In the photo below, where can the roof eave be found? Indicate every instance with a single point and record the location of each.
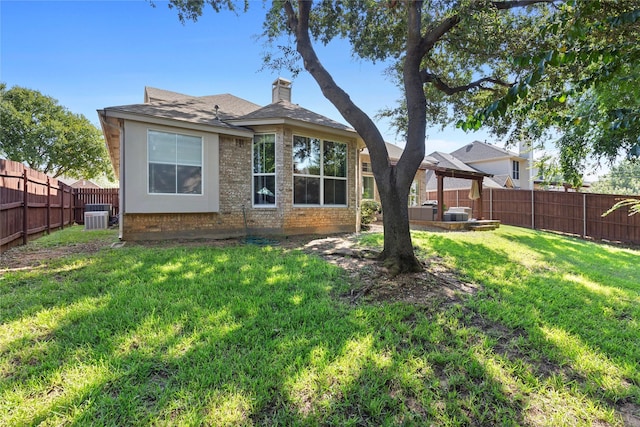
(111, 131)
(350, 133)
(184, 124)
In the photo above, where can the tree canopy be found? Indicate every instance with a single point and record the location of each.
(582, 93)
(623, 178)
(47, 137)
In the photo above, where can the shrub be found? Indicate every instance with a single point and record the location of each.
(368, 210)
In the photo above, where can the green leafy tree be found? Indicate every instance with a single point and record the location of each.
(623, 178)
(47, 137)
(447, 54)
(583, 90)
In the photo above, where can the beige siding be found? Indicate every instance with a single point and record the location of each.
(136, 195)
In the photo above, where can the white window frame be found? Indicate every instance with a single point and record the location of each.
(202, 183)
(322, 177)
(274, 174)
(373, 187)
(515, 169)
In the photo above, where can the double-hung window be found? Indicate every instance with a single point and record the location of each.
(264, 170)
(516, 169)
(319, 172)
(174, 163)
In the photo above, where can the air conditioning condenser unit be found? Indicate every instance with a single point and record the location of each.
(97, 220)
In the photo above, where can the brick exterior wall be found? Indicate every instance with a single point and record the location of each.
(236, 202)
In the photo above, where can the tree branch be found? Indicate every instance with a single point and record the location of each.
(449, 90)
(299, 26)
(502, 5)
(431, 38)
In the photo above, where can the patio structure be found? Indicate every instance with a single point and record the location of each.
(427, 216)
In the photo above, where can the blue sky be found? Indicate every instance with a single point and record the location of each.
(95, 54)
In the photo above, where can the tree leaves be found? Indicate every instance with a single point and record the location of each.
(39, 132)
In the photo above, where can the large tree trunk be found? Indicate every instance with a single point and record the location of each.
(393, 182)
(398, 256)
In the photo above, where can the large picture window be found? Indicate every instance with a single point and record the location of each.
(264, 170)
(175, 163)
(319, 172)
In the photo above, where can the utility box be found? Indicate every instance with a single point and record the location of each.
(97, 220)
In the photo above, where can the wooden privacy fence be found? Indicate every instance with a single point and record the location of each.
(573, 213)
(32, 203)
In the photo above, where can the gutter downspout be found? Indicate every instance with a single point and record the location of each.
(122, 181)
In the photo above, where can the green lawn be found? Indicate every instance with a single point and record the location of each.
(248, 335)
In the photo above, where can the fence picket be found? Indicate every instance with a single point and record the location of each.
(31, 203)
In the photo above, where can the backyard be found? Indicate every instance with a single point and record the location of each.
(510, 327)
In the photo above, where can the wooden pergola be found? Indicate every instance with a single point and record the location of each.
(443, 172)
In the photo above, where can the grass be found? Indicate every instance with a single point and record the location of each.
(248, 335)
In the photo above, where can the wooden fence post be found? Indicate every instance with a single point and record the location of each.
(584, 215)
(25, 208)
(491, 203)
(48, 205)
(533, 211)
(61, 187)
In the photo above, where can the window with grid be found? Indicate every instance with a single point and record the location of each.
(516, 169)
(319, 172)
(264, 170)
(174, 163)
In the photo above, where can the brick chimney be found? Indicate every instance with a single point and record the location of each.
(281, 90)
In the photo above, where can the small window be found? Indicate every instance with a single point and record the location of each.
(174, 163)
(264, 170)
(367, 187)
(516, 170)
(366, 167)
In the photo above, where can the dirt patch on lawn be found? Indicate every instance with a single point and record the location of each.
(30, 258)
(369, 278)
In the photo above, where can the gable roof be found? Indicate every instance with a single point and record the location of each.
(478, 151)
(504, 181)
(189, 111)
(229, 106)
(226, 112)
(286, 110)
(446, 160)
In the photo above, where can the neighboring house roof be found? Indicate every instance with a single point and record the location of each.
(84, 183)
(480, 151)
(449, 161)
(395, 152)
(458, 183)
(504, 181)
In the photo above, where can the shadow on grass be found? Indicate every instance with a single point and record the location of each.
(237, 336)
(570, 307)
